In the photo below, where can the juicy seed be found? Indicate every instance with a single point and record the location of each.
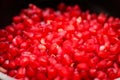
(63, 44)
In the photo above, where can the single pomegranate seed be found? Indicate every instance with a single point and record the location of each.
(43, 61)
(19, 26)
(93, 72)
(10, 29)
(3, 47)
(112, 73)
(3, 33)
(41, 76)
(76, 75)
(101, 75)
(6, 64)
(35, 17)
(12, 64)
(1, 60)
(12, 73)
(66, 60)
(83, 66)
(30, 72)
(51, 72)
(28, 22)
(16, 19)
(13, 51)
(24, 61)
(21, 72)
(101, 18)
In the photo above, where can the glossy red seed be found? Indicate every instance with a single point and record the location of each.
(13, 51)
(6, 64)
(67, 44)
(12, 73)
(3, 33)
(64, 72)
(101, 75)
(70, 28)
(101, 18)
(1, 60)
(24, 45)
(3, 47)
(51, 72)
(111, 73)
(41, 76)
(78, 56)
(82, 66)
(28, 22)
(10, 38)
(30, 72)
(35, 18)
(21, 73)
(76, 75)
(43, 61)
(10, 29)
(92, 72)
(19, 26)
(16, 19)
(66, 60)
(24, 61)
(12, 65)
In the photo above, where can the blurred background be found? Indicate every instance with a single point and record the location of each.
(9, 8)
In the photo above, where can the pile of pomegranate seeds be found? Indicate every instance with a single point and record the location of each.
(66, 44)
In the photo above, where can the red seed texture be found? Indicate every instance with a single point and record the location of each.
(66, 44)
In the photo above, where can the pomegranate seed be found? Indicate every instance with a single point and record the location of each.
(1, 60)
(24, 61)
(16, 19)
(3, 47)
(101, 75)
(30, 72)
(51, 72)
(28, 22)
(12, 64)
(83, 66)
(67, 44)
(12, 73)
(21, 72)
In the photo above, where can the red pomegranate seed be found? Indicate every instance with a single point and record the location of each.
(112, 73)
(66, 60)
(13, 51)
(83, 66)
(63, 44)
(28, 22)
(30, 72)
(51, 72)
(1, 60)
(41, 76)
(12, 73)
(12, 64)
(76, 75)
(101, 75)
(93, 72)
(21, 72)
(43, 61)
(19, 26)
(10, 29)
(4, 47)
(16, 19)
(24, 61)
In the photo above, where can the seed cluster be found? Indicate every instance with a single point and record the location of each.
(66, 44)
